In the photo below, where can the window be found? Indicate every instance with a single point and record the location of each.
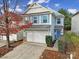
(35, 19)
(44, 18)
(58, 21)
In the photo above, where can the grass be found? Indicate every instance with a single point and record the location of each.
(72, 37)
(69, 42)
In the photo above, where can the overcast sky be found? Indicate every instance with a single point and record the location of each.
(70, 5)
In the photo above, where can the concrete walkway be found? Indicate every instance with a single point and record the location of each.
(55, 48)
(26, 51)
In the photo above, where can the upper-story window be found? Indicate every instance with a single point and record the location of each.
(58, 21)
(35, 19)
(44, 18)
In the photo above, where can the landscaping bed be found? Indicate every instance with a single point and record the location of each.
(4, 49)
(73, 46)
(49, 54)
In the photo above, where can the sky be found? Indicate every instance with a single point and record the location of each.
(71, 5)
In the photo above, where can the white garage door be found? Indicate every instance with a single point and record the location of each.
(36, 36)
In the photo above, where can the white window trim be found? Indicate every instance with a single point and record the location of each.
(40, 20)
(47, 19)
(57, 21)
(36, 19)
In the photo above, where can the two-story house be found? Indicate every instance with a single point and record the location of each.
(45, 22)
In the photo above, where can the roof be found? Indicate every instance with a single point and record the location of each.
(55, 12)
(76, 13)
(46, 9)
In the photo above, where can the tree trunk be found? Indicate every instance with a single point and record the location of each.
(7, 32)
(7, 22)
(8, 41)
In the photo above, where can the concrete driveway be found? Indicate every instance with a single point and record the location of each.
(26, 51)
(2, 43)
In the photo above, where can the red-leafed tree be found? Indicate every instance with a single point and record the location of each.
(11, 23)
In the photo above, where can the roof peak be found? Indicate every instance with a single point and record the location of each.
(47, 8)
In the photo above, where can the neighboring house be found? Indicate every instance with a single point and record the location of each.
(75, 23)
(13, 37)
(46, 21)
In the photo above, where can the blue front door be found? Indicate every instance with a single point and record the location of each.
(57, 33)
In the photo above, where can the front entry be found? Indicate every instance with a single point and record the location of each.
(57, 33)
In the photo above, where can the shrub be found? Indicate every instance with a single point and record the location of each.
(60, 46)
(72, 37)
(49, 40)
(69, 42)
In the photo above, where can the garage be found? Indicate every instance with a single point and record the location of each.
(37, 36)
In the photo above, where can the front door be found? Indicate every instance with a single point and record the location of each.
(57, 33)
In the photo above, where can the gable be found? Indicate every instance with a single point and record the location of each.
(36, 8)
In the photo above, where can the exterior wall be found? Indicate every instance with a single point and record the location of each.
(52, 26)
(62, 31)
(29, 18)
(62, 22)
(39, 27)
(61, 25)
(75, 24)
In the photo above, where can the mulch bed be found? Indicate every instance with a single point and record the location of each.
(4, 49)
(49, 54)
